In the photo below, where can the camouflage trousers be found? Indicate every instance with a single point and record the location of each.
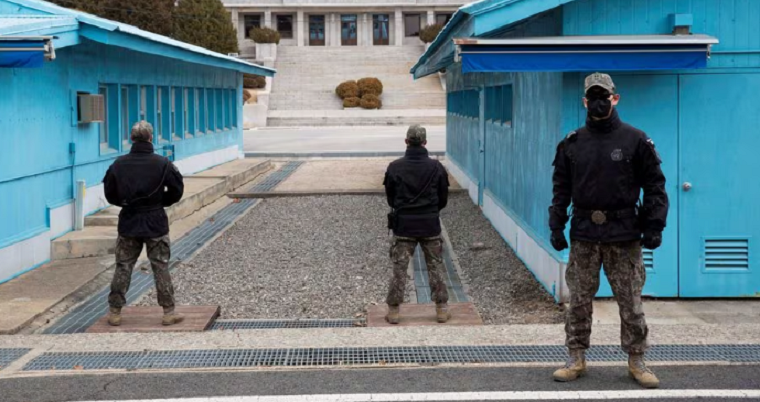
(128, 250)
(402, 250)
(624, 266)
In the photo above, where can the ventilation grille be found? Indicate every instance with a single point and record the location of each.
(648, 259)
(726, 254)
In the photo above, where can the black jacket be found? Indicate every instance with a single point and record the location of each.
(143, 183)
(603, 167)
(404, 180)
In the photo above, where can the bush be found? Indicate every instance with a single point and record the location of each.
(254, 81)
(348, 89)
(265, 35)
(246, 96)
(213, 31)
(429, 33)
(352, 102)
(370, 86)
(370, 102)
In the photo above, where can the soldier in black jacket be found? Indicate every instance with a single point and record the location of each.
(601, 168)
(142, 183)
(417, 188)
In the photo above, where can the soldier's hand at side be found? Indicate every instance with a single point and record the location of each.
(651, 240)
(558, 240)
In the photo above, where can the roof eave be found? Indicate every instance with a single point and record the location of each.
(115, 37)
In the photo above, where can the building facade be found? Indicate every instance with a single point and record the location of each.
(49, 58)
(339, 22)
(681, 68)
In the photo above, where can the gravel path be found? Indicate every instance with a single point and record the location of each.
(502, 288)
(316, 257)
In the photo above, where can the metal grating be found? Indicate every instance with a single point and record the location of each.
(424, 355)
(450, 277)
(722, 254)
(8, 356)
(83, 316)
(277, 324)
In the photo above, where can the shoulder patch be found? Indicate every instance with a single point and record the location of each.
(650, 142)
(571, 136)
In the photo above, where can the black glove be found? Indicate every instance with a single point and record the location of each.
(558, 240)
(652, 239)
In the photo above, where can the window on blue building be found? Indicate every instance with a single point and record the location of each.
(125, 129)
(163, 117)
(210, 100)
(506, 105)
(143, 103)
(196, 111)
(103, 91)
(234, 100)
(186, 112)
(219, 109)
(202, 108)
(227, 109)
(177, 113)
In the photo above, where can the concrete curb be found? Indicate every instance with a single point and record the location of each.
(336, 154)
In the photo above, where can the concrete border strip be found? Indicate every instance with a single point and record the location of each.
(486, 396)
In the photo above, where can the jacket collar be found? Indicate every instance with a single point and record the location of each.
(416, 152)
(142, 147)
(607, 125)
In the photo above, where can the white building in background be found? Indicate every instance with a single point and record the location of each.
(339, 22)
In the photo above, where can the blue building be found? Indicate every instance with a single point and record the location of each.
(686, 72)
(51, 58)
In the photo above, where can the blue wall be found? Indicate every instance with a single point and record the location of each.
(38, 116)
(734, 22)
(519, 153)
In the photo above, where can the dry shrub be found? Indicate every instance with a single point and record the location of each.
(348, 89)
(370, 86)
(371, 101)
(351, 102)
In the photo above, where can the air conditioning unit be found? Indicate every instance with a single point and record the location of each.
(92, 108)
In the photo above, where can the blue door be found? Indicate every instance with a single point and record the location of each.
(719, 188)
(648, 102)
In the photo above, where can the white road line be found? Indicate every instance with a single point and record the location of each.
(483, 396)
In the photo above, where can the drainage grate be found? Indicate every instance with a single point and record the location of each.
(276, 324)
(8, 356)
(82, 317)
(451, 278)
(377, 356)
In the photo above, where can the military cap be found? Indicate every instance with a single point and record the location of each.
(599, 80)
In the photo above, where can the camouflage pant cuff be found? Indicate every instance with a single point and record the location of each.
(169, 310)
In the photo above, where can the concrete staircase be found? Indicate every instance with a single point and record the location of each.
(98, 238)
(303, 93)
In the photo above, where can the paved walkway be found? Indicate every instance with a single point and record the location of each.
(337, 139)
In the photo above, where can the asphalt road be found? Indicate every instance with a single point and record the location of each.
(132, 386)
(337, 139)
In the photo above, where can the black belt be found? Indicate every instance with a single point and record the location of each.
(600, 217)
(142, 208)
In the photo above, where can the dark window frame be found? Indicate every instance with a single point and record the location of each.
(418, 25)
(285, 34)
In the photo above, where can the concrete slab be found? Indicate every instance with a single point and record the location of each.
(148, 319)
(415, 315)
(27, 297)
(355, 174)
(683, 312)
(337, 139)
(92, 241)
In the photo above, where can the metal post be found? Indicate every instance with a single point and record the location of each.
(79, 205)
